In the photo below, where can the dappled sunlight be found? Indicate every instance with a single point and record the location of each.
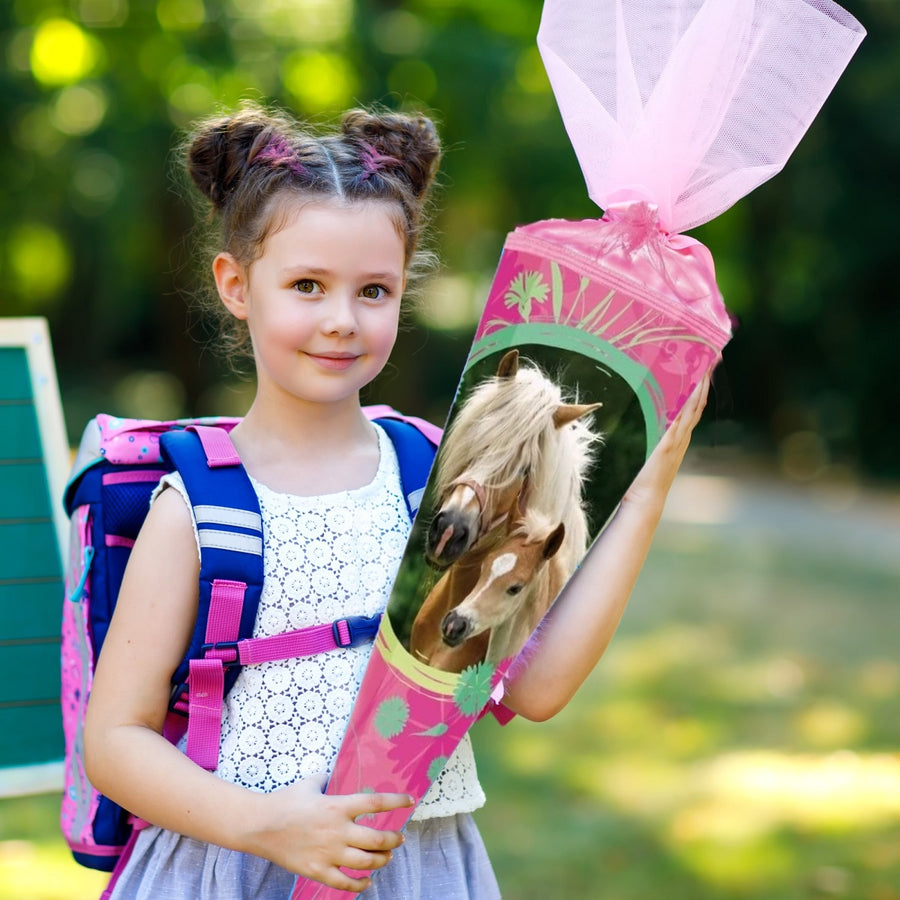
(837, 791)
(37, 871)
(879, 679)
(756, 791)
(747, 866)
(649, 657)
(643, 786)
(829, 724)
(730, 827)
(702, 499)
(759, 680)
(530, 752)
(727, 818)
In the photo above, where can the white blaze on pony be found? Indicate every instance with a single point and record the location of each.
(517, 582)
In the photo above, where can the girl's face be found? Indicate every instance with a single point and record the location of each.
(323, 301)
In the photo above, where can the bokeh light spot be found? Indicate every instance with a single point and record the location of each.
(319, 81)
(79, 109)
(150, 395)
(530, 73)
(62, 53)
(39, 262)
(180, 15)
(103, 13)
(399, 31)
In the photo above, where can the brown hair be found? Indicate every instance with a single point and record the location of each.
(248, 163)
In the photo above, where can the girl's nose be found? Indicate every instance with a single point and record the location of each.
(340, 316)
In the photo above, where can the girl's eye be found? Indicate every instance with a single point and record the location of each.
(374, 292)
(305, 286)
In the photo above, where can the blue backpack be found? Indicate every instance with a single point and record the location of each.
(118, 465)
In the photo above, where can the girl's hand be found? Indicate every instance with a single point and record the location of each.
(313, 834)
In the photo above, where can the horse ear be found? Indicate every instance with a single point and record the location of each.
(569, 412)
(509, 365)
(554, 540)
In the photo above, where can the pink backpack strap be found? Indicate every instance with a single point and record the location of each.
(383, 411)
(217, 446)
(206, 678)
(348, 632)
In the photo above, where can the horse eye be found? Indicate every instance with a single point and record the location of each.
(514, 589)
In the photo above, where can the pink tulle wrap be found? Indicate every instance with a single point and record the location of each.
(690, 104)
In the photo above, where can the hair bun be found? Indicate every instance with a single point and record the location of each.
(412, 140)
(221, 150)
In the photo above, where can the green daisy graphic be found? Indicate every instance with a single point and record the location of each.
(436, 766)
(391, 717)
(474, 689)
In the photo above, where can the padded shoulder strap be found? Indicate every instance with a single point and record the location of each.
(415, 453)
(229, 524)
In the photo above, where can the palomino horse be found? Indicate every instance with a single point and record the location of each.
(512, 425)
(517, 582)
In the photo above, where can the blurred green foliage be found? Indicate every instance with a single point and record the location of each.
(96, 232)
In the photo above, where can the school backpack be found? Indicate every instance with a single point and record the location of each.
(119, 463)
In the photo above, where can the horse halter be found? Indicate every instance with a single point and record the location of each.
(478, 490)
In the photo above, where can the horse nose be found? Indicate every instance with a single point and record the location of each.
(447, 538)
(454, 628)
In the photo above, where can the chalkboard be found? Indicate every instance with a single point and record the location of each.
(34, 461)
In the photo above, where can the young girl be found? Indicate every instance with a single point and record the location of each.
(319, 236)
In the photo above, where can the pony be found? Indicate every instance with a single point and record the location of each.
(517, 581)
(512, 425)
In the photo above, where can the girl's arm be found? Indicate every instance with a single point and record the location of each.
(128, 760)
(582, 621)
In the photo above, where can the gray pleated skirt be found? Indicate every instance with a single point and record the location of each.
(441, 859)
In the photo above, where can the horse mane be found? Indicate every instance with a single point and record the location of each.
(503, 414)
(532, 525)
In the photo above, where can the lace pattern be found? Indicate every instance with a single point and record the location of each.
(325, 557)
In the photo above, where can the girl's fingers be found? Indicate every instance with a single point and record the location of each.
(373, 840)
(364, 861)
(369, 804)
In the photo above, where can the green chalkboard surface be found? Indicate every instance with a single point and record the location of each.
(33, 464)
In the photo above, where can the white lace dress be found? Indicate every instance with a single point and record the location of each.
(325, 557)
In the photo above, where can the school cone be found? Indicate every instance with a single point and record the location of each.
(599, 327)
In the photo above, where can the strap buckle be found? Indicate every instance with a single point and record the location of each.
(354, 630)
(222, 647)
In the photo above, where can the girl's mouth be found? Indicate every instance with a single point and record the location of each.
(334, 362)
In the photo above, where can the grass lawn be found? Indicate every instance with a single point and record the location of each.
(739, 739)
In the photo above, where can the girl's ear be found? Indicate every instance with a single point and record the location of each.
(231, 283)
